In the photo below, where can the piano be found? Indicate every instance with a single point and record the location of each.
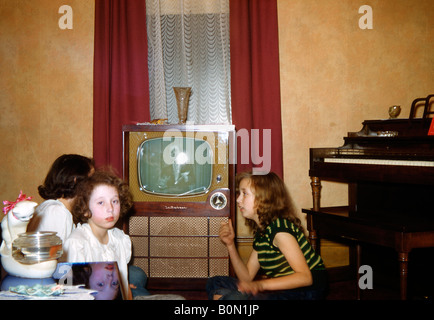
(389, 168)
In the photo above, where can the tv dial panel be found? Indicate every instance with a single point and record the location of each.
(218, 201)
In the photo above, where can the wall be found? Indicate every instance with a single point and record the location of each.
(46, 90)
(334, 75)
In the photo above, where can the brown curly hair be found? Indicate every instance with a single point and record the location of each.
(80, 209)
(272, 200)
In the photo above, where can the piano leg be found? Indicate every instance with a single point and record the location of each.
(358, 263)
(403, 265)
(316, 192)
(312, 237)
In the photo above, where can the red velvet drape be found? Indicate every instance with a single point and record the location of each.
(121, 85)
(255, 76)
(121, 88)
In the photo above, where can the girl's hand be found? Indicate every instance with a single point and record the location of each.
(250, 287)
(226, 233)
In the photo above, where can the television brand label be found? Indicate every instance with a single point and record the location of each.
(175, 208)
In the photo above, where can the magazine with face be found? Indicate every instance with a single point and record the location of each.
(103, 277)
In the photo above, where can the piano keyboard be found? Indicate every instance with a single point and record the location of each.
(387, 162)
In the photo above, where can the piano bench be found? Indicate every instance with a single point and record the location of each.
(340, 222)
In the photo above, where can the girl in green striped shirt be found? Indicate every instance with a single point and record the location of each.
(290, 268)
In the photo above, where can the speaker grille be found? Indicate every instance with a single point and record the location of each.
(178, 247)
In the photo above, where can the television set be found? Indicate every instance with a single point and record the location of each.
(180, 169)
(182, 178)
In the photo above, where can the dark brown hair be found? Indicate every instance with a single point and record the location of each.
(80, 209)
(65, 173)
(272, 200)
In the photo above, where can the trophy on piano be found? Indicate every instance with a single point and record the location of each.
(394, 111)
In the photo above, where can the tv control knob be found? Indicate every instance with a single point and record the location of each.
(218, 201)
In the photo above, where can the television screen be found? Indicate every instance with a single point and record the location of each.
(174, 166)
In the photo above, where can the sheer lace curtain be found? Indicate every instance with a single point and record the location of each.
(189, 46)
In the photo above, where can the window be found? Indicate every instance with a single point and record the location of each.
(188, 46)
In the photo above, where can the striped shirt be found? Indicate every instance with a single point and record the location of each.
(272, 260)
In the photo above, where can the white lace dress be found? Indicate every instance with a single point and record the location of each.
(83, 246)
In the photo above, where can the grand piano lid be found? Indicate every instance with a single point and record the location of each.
(393, 128)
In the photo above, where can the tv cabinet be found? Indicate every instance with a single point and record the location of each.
(176, 242)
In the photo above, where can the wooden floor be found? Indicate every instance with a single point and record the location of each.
(342, 281)
(338, 291)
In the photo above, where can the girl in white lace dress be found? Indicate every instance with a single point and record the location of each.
(101, 200)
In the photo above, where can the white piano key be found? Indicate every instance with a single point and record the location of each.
(386, 162)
